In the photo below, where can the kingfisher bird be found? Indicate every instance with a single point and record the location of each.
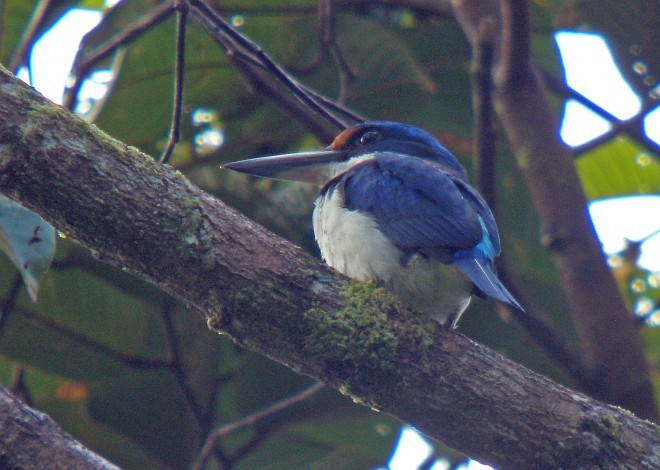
(395, 207)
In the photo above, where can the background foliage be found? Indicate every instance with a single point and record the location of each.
(138, 377)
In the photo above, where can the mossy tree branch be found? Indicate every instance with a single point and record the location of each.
(272, 298)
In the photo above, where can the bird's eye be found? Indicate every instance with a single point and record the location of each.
(370, 137)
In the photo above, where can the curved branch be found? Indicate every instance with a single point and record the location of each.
(241, 48)
(274, 299)
(215, 437)
(86, 60)
(23, 50)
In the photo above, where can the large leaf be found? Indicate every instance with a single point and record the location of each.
(28, 240)
(328, 443)
(620, 167)
(14, 15)
(114, 22)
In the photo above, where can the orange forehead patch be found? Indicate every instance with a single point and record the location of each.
(342, 139)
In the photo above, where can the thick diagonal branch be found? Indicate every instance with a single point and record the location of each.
(271, 297)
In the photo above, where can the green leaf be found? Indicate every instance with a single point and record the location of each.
(328, 442)
(620, 167)
(14, 15)
(114, 22)
(370, 437)
(651, 338)
(145, 405)
(66, 401)
(28, 240)
(378, 55)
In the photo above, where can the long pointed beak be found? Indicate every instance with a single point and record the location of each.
(309, 167)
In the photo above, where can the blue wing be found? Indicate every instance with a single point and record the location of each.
(419, 206)
(424, 209)
(481, 272)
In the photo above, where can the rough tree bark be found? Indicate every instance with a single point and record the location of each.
(271, 297)
(30, 439)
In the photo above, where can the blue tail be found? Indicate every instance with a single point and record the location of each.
(481, 274)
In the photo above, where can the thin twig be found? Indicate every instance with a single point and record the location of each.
(24, 48)
(429, 462)
(259, 80)
(213, 439)
(78, 258)
(258, 436)
(203, 420)
(328, 42)
(85, 61)
(482, 95)
(18, 386)
(10, 299)
(181, 7)
(243, 49)
(119, 356)
(634, 127)
(322, 15)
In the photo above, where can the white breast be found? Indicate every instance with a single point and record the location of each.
(351, 242)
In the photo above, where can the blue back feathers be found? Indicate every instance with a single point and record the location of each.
(421, 208)
(417, 193)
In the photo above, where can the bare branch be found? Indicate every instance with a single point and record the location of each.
(328, 42)
(127, 359)
(9, 301)
(203, 419)
(240, 48)
(216, 436)
(179, 62)
(538, 329)
(19, 387)
(634, 127)
(22, 55)
(483, 139)
(86, 60)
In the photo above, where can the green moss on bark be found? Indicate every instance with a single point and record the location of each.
(361, 344)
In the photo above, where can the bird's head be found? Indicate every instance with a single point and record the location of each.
(350, 147)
